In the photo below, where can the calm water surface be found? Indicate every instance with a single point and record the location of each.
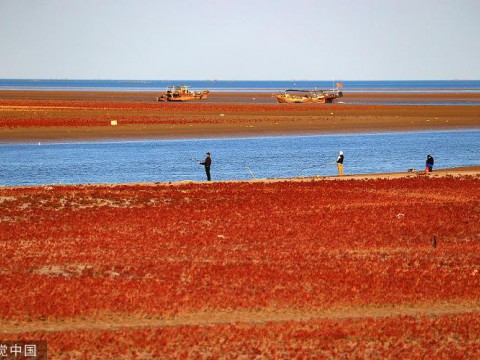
(244, 85)
(262, 157)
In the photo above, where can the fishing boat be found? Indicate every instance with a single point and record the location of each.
(182, 93)
(308, 96)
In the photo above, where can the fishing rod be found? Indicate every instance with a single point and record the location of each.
(320, 166)
(196, 160)
(313, 167)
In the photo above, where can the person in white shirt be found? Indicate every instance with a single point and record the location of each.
(340, 163)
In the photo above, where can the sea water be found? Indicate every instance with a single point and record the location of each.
(233, 158)
(244, 85)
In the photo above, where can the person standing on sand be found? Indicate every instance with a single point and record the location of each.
(429, 164)
(340, 163)
(207, 163)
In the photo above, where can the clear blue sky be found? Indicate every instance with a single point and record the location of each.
(240, 40)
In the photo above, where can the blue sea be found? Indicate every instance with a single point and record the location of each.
(233, 159)
(244, 85)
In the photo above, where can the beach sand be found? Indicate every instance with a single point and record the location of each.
(31, 116)
(438, 173)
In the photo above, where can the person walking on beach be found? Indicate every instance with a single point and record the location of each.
(340, 163)
(429, 164)
(207, 163)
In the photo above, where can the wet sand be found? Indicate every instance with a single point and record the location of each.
(465, 171)
(33, 116)
(233, 97)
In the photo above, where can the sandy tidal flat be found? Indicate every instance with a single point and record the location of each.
(56, 116)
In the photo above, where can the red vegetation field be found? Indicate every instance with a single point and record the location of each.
(283, 269)
(60, 116)
(75, 113)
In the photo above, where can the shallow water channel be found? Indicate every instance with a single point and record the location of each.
(233, 158)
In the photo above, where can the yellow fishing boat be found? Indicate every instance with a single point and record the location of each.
(182, 93)
(308, 96)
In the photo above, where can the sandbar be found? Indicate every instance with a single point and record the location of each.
(52, 116)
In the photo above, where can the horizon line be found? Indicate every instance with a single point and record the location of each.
(232, 80)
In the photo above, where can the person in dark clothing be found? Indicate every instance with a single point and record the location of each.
(340, 163)
(429, 163)
(207, 163)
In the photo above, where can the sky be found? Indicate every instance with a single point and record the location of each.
(240, 40)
